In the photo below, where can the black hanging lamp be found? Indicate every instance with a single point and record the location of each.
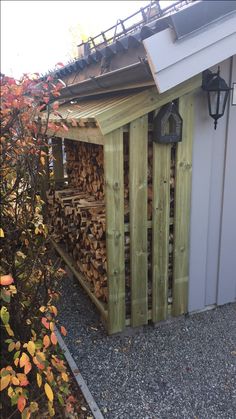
(217, 93)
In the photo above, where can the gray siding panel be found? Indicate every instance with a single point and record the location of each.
(199, 205)
(215, 205)
(227, 268)
(206, 206)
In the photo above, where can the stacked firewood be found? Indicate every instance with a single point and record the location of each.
(77, 221)
(85, 167)
(77, 214)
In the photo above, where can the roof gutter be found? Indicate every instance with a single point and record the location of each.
(130, 77)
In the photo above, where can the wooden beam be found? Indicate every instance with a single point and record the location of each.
(58, 168)
(183, 178)
(71, 265)
(138, 219)
(44, 174)
(142, 103)
(160, 230)
(114, 193)
(86, 135)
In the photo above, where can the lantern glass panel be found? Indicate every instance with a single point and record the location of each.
(217, 102)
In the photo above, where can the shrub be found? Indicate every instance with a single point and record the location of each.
(33, 372)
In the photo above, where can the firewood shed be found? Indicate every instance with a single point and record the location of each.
(133, 217)
(142, 194)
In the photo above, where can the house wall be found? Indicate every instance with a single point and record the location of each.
(212, 228)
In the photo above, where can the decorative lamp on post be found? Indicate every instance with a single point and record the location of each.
(217, 93)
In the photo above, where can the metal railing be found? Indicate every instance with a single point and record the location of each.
(130, 24)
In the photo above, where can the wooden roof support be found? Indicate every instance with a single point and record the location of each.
(86, 135)
(140, 104)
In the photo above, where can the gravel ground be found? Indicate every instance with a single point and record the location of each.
(185, 368)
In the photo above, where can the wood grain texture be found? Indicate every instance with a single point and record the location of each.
(114, 193)
(84, 134)
(58, 158)
(142, 103)
(138, 219)
(182, 208)
(160, 230)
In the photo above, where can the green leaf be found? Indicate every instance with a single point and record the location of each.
(60, 398)
(11, 347)
(16, 355)
(4, 373)
(5, 296)
(8, 341)
(38, 344)
(64, 389)
(4, 315)
(14, 399)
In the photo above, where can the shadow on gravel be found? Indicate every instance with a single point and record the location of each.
(185, 368)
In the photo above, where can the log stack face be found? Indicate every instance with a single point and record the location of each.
(85, 167)
(78, 220)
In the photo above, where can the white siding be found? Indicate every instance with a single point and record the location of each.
(174, 61)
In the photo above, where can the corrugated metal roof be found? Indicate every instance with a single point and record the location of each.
(86, 111)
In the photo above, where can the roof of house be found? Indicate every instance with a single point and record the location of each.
(124, 63)
(153, 19)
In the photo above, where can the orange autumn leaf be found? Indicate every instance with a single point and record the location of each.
(51, 326)
(27, 368)
(21, 403)
(4, 381)
(15, 381)
(65, 377)
(16, 362)
(46, 341)
(53, 338)
(40, 356)
(45, 322)
(64, 127)
(63, 331)
(54, 310)
(23, 379)
(55, 106)
(6, 280)
(24, 359)
(74, 122)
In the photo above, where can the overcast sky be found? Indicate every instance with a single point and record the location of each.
(35, 35)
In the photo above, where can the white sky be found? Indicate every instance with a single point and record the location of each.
(35, 34)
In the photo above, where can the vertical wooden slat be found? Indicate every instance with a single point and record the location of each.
(44, 174)
(114, 192)
(138, 219)
(160, 230)
(182, 208)
(58, 156)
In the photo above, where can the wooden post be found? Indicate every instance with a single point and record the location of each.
(138, 219)
(160, 230)
(58, 168)
(44, 174)
(182, 208)
(114, 195)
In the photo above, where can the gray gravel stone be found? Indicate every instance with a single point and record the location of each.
(184, 369)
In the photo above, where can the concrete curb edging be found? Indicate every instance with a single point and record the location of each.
(78, 377)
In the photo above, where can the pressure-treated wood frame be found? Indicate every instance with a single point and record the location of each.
(135, 114)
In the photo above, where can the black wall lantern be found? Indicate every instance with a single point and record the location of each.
(167, 125)
(217, 93)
